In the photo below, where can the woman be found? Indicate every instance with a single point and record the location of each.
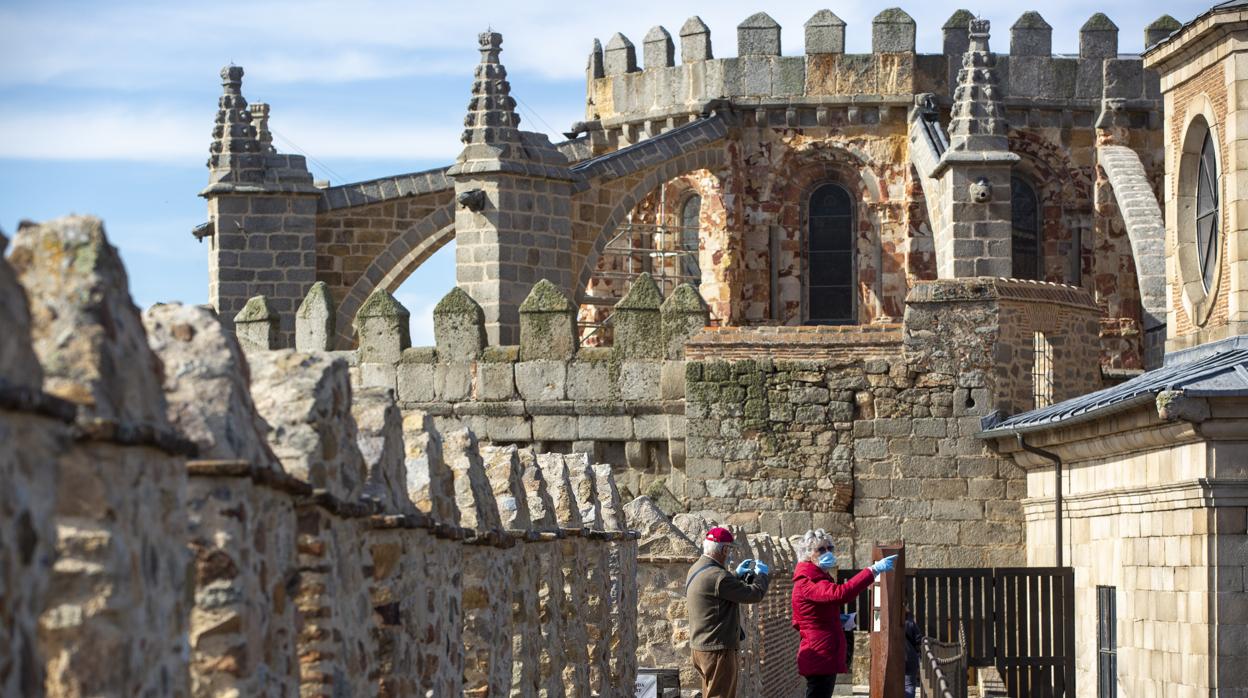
(817, 602)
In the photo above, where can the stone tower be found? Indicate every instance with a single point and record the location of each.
(973, 236)
(261, 214)
(513, 189)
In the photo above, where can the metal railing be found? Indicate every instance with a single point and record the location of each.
(942, 667)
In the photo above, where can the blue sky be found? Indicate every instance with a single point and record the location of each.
(107, 107)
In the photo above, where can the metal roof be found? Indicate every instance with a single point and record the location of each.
(1218, 369)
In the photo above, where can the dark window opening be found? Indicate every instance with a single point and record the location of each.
(830, 257)
(1026, 237)
(1106, 643)
(1207, 212)
(689, 228)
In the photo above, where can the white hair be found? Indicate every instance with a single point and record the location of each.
(711, 549)
(812, 540)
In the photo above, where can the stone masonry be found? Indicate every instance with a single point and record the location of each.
(295, 535)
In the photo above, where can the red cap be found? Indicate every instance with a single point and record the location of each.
(719, 535)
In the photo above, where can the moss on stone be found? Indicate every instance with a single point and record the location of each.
(684, 299)
(381, 304)
(318, 298)
(1031, 20)
(500, 355)
(458, 302)
(644, 294)
(1098, 22)
(545, 297)
(893, 15)
(960, 19)
(419, 355)
(1164, 23)
(257, 309)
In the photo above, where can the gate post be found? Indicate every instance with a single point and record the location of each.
(888, 640)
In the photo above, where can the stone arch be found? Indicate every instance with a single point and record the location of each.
(1064, 195)
(390, 269)
(811, 167)
(590, 236)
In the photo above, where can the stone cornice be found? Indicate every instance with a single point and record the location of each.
(1189, 494)
(1194, 38)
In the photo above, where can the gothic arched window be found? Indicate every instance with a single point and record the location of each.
(1207, 211)
(830, 257)
(689, 228)
(1026, 236)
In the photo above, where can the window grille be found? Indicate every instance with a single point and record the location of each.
(830, 257)
(1041, 371)
(1106, 643)
(1207, 207)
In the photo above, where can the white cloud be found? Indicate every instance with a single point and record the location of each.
(154, 134)
(328, 41)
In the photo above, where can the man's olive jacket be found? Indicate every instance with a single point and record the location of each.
(712, 596)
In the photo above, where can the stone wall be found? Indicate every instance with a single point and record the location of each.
(666, 551)
(283, 537)
(880, 445)
(1154, 507)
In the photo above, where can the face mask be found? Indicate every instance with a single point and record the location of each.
(827, 561)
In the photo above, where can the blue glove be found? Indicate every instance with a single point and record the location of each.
(885, 565)
(745, 566)
(761, 568)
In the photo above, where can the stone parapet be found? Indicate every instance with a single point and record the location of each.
(315, 542)
(826, 73)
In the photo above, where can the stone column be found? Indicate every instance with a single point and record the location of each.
(513, 222)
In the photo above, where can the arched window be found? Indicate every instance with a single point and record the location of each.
(830, 257)
(1026, 236)
(1207, 211)
(689, 229)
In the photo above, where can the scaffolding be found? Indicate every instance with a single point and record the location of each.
(669, 253)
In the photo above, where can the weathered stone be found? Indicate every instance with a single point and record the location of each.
(84, 328)
(314, 321)
(695, 41)
(758, 35)
(892, 31)
(458, 327)
(383, 327)
(306, 401)
(638, 322)
(825, 33)
(547, 324)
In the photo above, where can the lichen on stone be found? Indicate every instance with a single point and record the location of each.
(381, 304)
(458, 302)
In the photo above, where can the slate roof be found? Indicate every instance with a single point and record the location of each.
(1218, 369)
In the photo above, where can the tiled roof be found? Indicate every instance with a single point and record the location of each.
(1219, 369)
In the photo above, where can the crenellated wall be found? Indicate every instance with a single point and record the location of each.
(183, 518)
(826, 83)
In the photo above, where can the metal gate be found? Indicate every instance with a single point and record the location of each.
(1018, 619)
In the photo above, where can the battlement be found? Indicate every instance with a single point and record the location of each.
(620, 90)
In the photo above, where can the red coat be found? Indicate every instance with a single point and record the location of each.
(817, 602)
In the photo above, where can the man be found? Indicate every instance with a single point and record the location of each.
(713, 594)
